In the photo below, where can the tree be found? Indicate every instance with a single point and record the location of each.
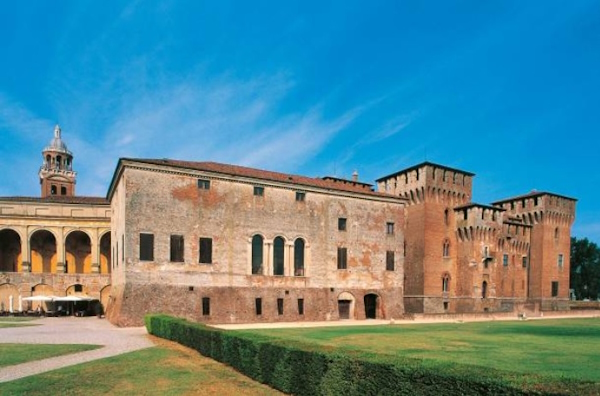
(585, 269)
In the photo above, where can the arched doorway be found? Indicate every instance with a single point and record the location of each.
(10, 251)
(43, 251)
(78, 249)
(371, 301)
(346, 306)
(105, 264)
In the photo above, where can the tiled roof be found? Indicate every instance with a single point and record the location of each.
(531, 195)
(60, 200)
(235, 170)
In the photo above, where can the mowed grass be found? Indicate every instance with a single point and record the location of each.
(11, 354)
(16, 321)
(167, 369)
(565, 348)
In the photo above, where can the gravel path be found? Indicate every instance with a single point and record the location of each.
(71, 330)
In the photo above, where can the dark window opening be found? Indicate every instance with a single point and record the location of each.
(389, 228)
(205, 306)
(300, 196)
(299, 257)
(484, 289)
(203, 184)
(146, 247)
(205, 250)
(278, 256)
(78, 288)
(280, 306)
(63, 190)
(445, 284)
(177, 248)
(342, 258)
(300, 306)
(524, 261)
(190, 288)
(53, 189)
(554, 289)
(446, 249)
(342, 224)
(445, 305)
(259, 191)
(389, 260)
(505, 260)
(257, 255)
(258, 306)
(446, 217)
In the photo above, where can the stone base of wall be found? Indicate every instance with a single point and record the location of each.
(460, 305)
(130, 303)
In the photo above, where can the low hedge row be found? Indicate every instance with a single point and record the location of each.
(302, 369)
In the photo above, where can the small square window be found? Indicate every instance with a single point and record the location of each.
(203, 184)
(259, 191)
(342, 224)
(300, 196)
(79, 288)
(389, 227)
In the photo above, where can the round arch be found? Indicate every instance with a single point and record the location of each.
(346, 305)
(78, 252)
(105, 256)
(372, 305)
(42, 243)
(11, 258)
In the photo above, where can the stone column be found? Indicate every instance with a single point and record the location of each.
(268, 258)
(289, 260)
(25, 251)
(60, 252)
(95, 245)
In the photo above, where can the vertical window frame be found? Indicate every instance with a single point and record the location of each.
(177, 248)
(146, 246)
(205, 250)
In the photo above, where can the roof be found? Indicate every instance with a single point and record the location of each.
(532, 194)
(267, 176)
(426, 163)
(476, 205)
(59, 200)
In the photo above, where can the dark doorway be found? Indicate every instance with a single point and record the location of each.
(371, 306)
(344, 308)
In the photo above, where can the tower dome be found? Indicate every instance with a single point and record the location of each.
(56, 173)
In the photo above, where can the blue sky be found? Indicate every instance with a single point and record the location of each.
(509, 90)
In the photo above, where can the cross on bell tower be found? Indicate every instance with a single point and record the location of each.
(57, 177)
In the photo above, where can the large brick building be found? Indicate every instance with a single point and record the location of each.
(223, 243)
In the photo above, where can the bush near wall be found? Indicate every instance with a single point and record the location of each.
(302, 369)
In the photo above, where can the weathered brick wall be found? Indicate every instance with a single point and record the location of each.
(171, 203)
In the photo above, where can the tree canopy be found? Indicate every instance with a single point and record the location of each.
(585, 269)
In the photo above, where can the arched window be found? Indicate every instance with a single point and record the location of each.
(556, 234)
(278, 256)
(446, 248)
(446, 283)
(299, 257)
(484, 289)
(257, 255)
(446, 217)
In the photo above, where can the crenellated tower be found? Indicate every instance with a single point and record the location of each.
(433, 192)
(550, 217)
(57, 177)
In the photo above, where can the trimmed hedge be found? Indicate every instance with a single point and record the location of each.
(302, 369)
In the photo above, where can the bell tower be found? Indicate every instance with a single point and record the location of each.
(57, 177)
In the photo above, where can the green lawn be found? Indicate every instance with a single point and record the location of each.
(16, 321)
(21, 353)
(560, 348)
(167, 369)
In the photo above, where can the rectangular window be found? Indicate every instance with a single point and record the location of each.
(389, 260)
(342, 224)
(554, 289)
(147, 247)
(280, 306)
(342, 258)
(78, 288)
(300, 196)
(300, 306)
(258, 306)
(524, 261)
(389, 227)
(505, 260)
(259, 191)
(205, 250)
(203, 184)
(205, 306)
(560, 261)
(177, 248)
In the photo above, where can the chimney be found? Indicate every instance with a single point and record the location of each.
(355, 176)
